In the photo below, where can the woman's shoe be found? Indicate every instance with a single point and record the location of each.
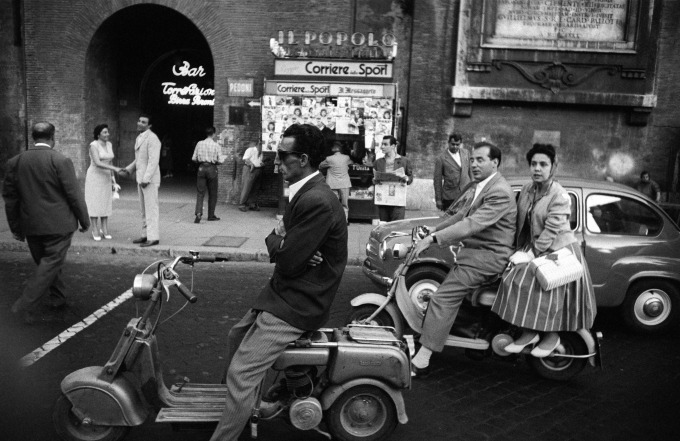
(516, 348)
(549, 343)
(107, 236)
(95, 237)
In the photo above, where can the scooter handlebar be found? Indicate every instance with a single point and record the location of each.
(186, 292)
(205, 258)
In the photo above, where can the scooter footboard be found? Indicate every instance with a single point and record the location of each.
(333, 392)
(105, 403)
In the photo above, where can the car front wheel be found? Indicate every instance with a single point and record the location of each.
(651, 306)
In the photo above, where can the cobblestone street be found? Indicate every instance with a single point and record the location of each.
(635, 397)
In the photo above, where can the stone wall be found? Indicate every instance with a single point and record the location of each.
(12, 98)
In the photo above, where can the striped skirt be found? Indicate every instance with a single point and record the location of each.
(522, 302)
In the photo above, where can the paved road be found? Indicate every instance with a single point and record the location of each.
(636, 397)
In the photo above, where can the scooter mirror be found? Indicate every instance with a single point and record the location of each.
(142, 286)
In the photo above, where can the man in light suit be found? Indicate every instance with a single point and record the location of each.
(148, 177)
(309, 248)
(44, 205)
(485, 224)
(452, 172)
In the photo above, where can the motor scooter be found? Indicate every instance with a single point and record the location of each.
(350, 378)
(477, 329)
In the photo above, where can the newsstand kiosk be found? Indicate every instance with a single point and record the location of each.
(349, 100)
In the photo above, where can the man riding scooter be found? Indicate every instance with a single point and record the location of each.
(309, 248)
(484, 222)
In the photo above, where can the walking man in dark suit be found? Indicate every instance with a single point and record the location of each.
(485, 224)
(451, 172)
(309, 248)
(44, 206)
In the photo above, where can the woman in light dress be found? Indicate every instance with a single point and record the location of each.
(100, 182)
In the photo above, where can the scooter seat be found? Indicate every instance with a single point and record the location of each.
(485, 295)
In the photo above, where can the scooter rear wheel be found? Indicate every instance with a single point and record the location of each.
(362, 413)
(561, 368)
(69, 427)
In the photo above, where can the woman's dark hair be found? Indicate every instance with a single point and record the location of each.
(98, 130)
(545, 149)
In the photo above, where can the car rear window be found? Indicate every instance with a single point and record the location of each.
(610, 214)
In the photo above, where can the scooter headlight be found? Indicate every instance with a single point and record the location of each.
(142, 286)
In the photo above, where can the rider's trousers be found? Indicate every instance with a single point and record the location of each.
(445, 303)
(253, 346)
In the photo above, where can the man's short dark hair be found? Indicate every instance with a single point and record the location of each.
(43, 131)
(494, 152)
(210, 131)
(457, 137)
(308, 140)
(644, 172)
(147, 116)
(391, 139)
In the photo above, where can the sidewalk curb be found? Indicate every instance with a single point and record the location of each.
(159, 251)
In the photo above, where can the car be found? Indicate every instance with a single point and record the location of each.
(631, 245)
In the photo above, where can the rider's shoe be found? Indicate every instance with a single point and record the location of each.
(269, 409)
(516, 348)
(549, 343)
(419, 373)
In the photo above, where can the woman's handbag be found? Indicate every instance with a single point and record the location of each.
(556, 269)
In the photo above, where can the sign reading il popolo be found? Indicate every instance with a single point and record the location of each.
(333, 68)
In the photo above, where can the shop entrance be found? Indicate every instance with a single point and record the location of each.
(151, 59)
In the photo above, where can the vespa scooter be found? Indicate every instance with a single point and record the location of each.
(350, 377)
(476, 329)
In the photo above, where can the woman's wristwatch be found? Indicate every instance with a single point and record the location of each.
(434, 238)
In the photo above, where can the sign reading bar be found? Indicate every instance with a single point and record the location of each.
(333, 68)
(240, 87)
(192, 94)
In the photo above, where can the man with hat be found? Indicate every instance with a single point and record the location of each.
(451, 172)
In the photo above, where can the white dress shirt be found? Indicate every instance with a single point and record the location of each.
(294, 188)
(481, 185)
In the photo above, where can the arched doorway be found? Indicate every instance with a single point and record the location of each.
(135, 58)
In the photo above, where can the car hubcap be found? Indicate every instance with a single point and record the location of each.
(652, 307)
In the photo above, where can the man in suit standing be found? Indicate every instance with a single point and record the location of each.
(44, 205)
(485, 224)
(148, 177)
(309, 248)
(452, 172)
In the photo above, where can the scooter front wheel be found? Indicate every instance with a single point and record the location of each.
(362, 413)
(70, 428)
(559, 368)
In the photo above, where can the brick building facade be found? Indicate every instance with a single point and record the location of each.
(77, 64)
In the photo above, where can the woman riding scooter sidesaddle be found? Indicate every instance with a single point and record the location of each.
(543, 211)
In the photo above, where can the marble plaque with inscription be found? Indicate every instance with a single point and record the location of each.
(530, 21)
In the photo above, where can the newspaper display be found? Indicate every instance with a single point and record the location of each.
(390, 188)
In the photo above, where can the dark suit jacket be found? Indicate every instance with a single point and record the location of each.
(298, 293)
(487, 231)
(449, 178)
(42, 195)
